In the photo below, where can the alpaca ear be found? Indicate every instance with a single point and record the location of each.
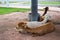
(20, 23)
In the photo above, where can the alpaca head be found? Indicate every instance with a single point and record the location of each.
(46, 8)
(21, 25)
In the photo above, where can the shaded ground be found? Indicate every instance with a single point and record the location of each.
(8, 24)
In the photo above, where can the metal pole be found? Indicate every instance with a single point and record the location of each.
(34, 16)
(34, 4)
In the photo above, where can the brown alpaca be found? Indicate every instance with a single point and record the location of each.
(46, 28)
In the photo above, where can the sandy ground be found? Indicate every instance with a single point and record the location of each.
(8, 24)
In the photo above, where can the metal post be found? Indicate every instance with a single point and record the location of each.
(34, 16)
(34, 7)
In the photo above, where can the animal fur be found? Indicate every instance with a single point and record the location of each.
(45, 10)
(35, 24)
(46, 28)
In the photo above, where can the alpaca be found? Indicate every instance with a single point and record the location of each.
(35, 24)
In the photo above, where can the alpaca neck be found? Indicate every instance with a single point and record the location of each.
(46, 9)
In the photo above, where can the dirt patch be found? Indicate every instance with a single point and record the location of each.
(8, 24)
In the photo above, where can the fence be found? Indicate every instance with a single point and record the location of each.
(8, 3)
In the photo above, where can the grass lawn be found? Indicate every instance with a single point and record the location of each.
(49, 2)
(4, 10)
(44, 3)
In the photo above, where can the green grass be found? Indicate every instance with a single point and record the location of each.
(26, 3)
(4, 10)
(49, 2)
(43, 3)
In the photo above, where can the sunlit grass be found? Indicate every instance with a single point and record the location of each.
(43, 3)
(49, 2)
(4, 10)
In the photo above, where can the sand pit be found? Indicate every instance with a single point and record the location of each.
(8, 24)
